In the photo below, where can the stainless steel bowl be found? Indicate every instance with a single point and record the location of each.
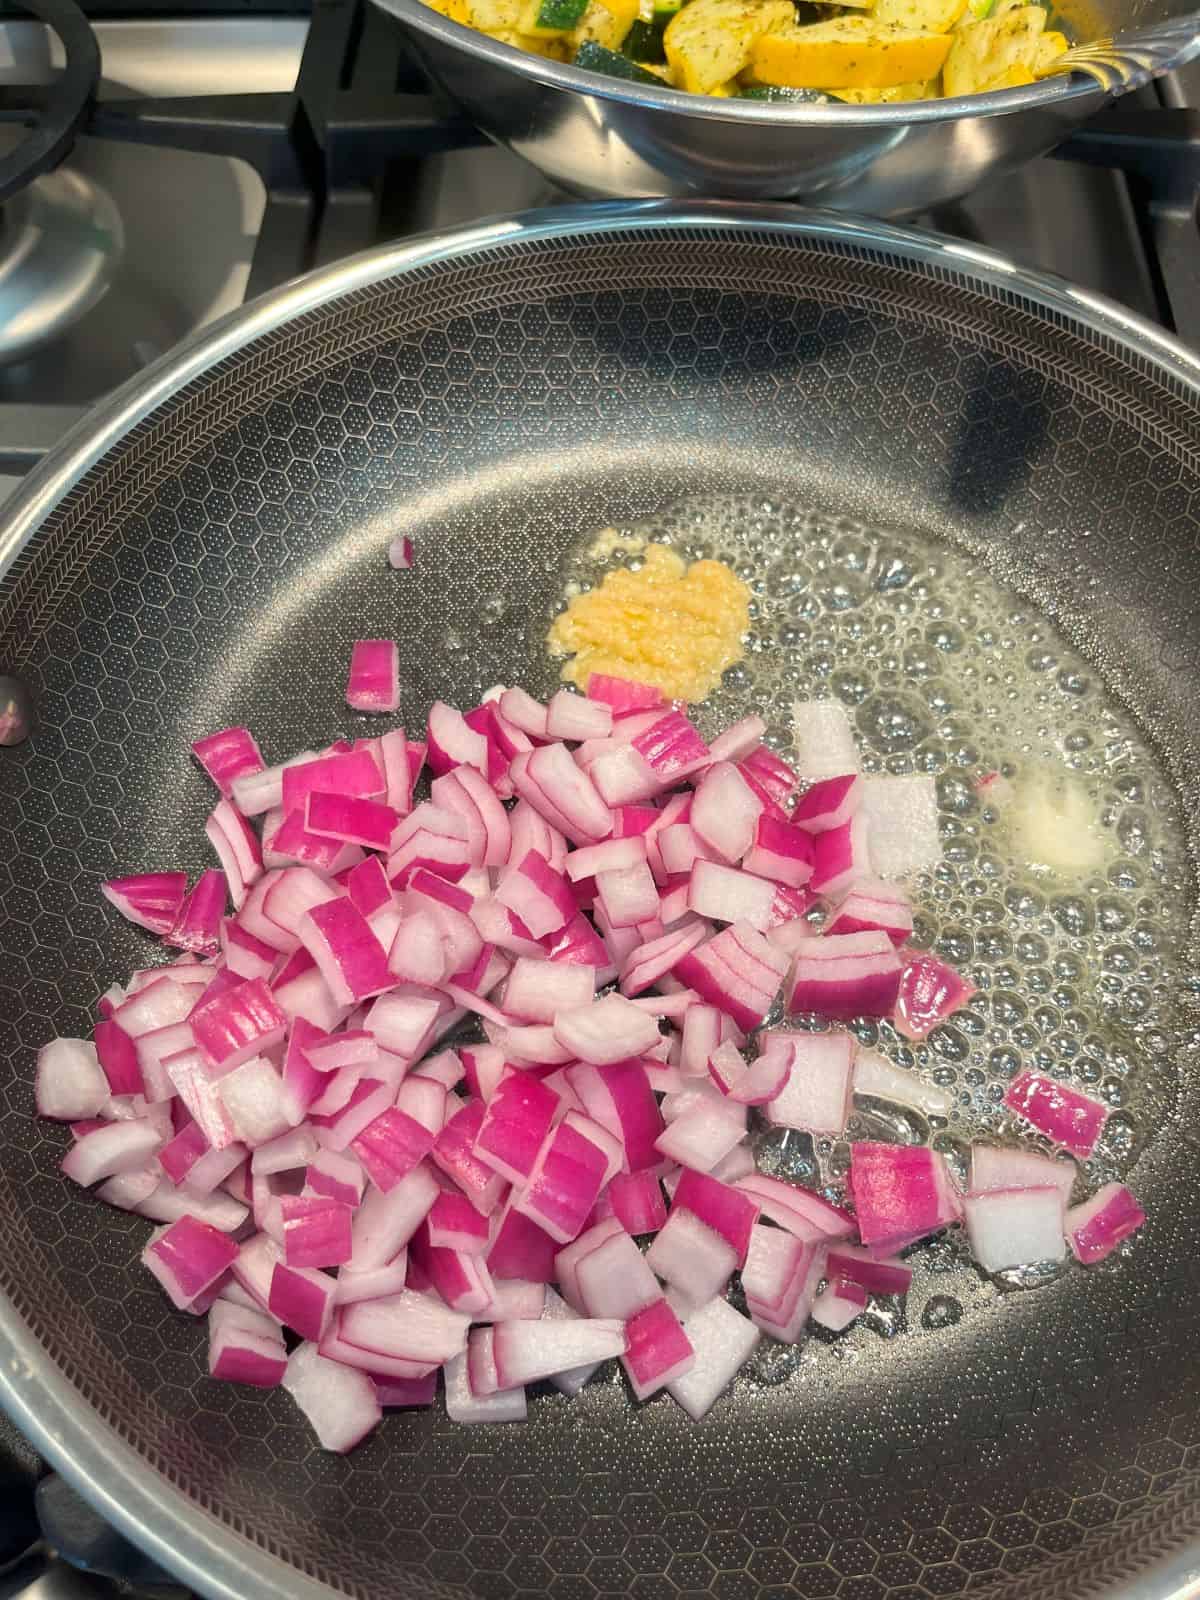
(599, 137)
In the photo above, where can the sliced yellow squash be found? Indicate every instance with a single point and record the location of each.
(921, 16)
(607, 22)
(992, 49)
(1051, 45)
(849, 53)
(456, 10)
(887, 97)
(710, 41)
(494, 16)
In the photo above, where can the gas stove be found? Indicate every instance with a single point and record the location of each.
(299, 140)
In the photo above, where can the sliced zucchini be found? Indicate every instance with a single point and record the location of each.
(596, 58)
(644, 42)
(550, 19)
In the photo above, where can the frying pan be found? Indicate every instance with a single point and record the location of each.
(203, 550)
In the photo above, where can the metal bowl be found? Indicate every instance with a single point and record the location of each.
(601, 138)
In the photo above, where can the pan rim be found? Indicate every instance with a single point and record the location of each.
(160, 1518)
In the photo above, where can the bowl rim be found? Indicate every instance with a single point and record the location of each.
(150, 1509)
(1045, 93)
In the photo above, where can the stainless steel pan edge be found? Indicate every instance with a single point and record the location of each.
(599, 137)
(176, 1532)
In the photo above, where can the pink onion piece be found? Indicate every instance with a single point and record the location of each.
(637, 1201)
(348, 772)
(153, 900)
(840, 858)
(516, 1122)
(187, 1256)
(197, 927)
(245, 1347)
(316, 1231)
(348, 955)
(118, 1059)
(606, 1031)
(845, 975)
(723, 894)
(1095, 1228)
(619, 1097)
(739, 741)
(799, 1210)
(726, 811)
(429, 837)
(838, 1305)
(770, 777)
(1015, 1227)
(723, 1341)
(780, 1278)
(659, 1352)
(816, 1097)
(672, 747)
(340, 1405)
(570, 716)
(737, 971)
(349, 819)
(829, 803)
(70, 1083)
(520, 1249)
(237, 848)
(238, 1024)
(564, 1182)
(302, 1299)
(109, 1148)
(335, 1177)
(227, 755)
(780, 852)
(929, 992)
(623, 695)
(374, 681)
(994, 1167)
(902, 1193)
(1068, 1118)
(846, 1264)
(871, 905)
(401, 554)
(526, 1352)
(390, 1147)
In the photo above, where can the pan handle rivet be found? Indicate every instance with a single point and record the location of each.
(16, 711)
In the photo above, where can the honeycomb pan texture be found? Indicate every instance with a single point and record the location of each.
(214, 566)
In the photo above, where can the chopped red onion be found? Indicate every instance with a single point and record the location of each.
(151, 899)
(637, 1201)
(901, 814)
(737, 971)
(1095, 1228)
(722, 1341)
(902, 1193)
(725, 811)
(111, 1148)
(188, 1256)
(838, 1305)
(824, 740)
(231, 753)
(799, 1210)
(1068, 1118)
(993, 1167)
(401, 554)
(929, 992)
(341, 1405)
(870, 905)
(197, 926)
(816, 1096)
(1015, 1227)
(608, 1030)
(780, 852)
(374, 681)
(526, 1352)
(70, 1083)
(316, 1231)
(623, 695)
(848, 1264)
(845, 975)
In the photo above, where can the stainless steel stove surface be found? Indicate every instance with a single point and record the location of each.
(208, 109)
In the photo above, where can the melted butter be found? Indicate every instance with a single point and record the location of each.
(942, 669)
(666, 622)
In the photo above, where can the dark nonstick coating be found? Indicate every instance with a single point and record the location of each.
(213, 567)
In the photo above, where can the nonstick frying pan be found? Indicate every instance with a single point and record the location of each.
(203, 550)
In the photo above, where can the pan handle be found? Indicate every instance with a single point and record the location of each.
(16, 711)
